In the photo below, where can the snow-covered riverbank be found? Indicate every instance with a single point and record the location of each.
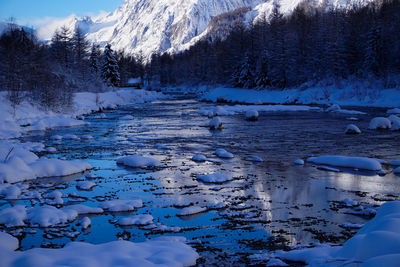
(27, 117)
(317, 95)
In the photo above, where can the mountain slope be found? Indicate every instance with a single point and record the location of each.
(149, 26)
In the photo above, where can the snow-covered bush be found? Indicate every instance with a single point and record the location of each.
(352, 129)
(380, 123)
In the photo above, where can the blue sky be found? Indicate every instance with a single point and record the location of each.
(32, 12)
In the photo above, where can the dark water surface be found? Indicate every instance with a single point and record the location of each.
(272, 204)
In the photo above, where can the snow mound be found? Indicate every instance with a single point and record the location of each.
(199, 158)
(8, 241)
(395, 162)
(171, 252)
(222, 153)
(121, 205)
(397, 170)
(136, 161)
(394, 111)
(393, 118)
(13, 216)
(380, 123)
(252, 115)
(85, 185)
(141, 219)
(333, 108)
(299, 162)
(82, 209)
(55, 167)
(86, 223)
(191, 210)
(70, 137)
(215, 123)
(214, 177)
(46, 216)
(352, 129)
(348, 162)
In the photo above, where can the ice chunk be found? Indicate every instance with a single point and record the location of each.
(214, 177)
(46, 216)
(141, 219)
(222, 153)
(121, 205)
(136, 161)
(380, 123)
(397, 170)
(349, 162)
(352, 129)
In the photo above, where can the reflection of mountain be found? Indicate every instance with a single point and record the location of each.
(149, 26)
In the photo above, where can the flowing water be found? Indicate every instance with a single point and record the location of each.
(271, 205)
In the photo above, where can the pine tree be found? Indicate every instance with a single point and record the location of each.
(110, 69)
(94, 58)
(80, 47)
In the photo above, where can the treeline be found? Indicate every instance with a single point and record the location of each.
(49, 74)
(286, 51)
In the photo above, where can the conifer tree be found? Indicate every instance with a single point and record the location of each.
(110, 69)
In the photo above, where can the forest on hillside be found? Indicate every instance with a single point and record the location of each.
(287, 51)
(309, 45)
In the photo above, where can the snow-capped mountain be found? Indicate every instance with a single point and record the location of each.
(149, 26)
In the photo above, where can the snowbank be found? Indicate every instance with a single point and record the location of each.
(169, 252)
(348, 96)
(34, 118)
(214, 177)
(348, 162)
(19, 164)
(376, 244)
(136, 161)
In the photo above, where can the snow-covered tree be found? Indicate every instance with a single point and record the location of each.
(110, 68)
(94, 58)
